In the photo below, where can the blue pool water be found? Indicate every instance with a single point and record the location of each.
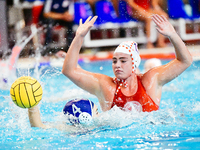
(175, 126)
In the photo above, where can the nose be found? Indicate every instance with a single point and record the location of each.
(116, 64)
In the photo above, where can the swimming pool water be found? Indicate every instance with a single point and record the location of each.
(175, 126)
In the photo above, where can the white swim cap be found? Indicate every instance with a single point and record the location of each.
(130, 47)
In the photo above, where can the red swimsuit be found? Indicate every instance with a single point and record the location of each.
(143, 3)
(140, 96)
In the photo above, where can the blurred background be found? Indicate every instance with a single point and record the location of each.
(56, 21)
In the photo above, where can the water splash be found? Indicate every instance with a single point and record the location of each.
(8, 73)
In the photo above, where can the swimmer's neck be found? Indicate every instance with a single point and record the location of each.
(132, 84)
(132, 79)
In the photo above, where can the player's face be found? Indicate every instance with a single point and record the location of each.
(122, 65)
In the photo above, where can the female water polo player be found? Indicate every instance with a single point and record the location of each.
(77, 111)
(144, 90)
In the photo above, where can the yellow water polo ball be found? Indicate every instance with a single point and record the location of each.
(26, 92)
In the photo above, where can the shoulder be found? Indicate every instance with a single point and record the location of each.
(106, 83)
(150, 76)
(104, 79)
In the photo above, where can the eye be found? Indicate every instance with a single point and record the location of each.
(114, 61)
(123, 61)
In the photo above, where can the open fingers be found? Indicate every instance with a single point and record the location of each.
(94, 19)
(159, 19)
(88, 19)
(80, 22)
(156, 19)
(164, 18)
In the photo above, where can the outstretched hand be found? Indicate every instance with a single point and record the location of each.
(85, 27)
(163, 25)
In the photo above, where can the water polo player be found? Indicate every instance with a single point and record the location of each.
(80, 111)
(143, 90)
(77, 111)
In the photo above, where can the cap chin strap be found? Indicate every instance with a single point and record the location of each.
(121, 83)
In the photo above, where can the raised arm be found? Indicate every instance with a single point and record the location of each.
(84, 79)
(71, 59)
(183, 57)
(34, 117)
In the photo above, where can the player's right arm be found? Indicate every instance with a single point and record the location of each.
(34, 117)
(82, 78)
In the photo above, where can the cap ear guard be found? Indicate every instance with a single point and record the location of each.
(137, 61)
(85, 118)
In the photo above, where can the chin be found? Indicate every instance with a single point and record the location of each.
(120, 77)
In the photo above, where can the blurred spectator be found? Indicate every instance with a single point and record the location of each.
(60, 54)
(143, 10)
(58, 12)
(151, 63)
(92, 4)
(116, 5)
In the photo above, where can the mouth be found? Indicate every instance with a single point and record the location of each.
(118, 71)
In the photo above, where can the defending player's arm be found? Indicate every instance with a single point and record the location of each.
(183, 57)
(82, 78)
(34, 117)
